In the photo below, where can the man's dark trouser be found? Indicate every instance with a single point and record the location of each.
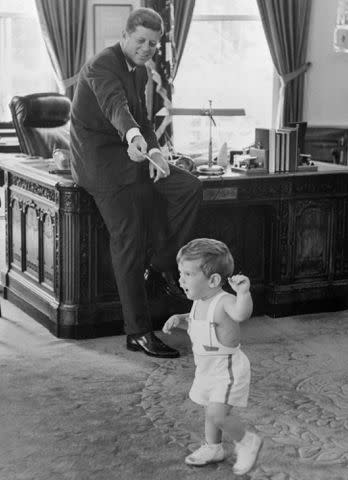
(129, 214)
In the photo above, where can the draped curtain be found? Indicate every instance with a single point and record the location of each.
(63, 24)
(183, 11)
(286, 25)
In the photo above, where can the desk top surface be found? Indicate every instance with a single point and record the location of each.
(8, 144)
(35, 168)
(38, 169)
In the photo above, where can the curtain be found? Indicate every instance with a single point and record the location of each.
(183, 11)
(63, 24)
(286, 25)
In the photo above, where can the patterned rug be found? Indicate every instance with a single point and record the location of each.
(298, 403)
(91, 410)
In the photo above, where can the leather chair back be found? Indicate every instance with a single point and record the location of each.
(42, 122)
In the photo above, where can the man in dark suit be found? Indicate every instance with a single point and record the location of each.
(110, 134)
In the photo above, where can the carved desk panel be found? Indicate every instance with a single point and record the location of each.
(58, 268)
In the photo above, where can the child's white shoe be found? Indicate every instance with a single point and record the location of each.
(246, 450)
(207, 453)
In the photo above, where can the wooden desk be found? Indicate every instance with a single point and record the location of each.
(287, 232)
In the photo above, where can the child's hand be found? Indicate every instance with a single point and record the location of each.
(171, 323)
(239, 283)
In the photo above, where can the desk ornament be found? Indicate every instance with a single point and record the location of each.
(211, 168)
(185, 162)
(305, 163)
(61, 160)
(246, 164)
(252, 161)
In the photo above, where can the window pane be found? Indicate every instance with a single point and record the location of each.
(24, 63)
(229, 63)
(18, 6)
(226, 7)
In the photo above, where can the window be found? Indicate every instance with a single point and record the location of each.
(24, 63)
(226, 59)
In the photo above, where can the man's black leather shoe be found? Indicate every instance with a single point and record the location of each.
(151, 345)
(162, 284)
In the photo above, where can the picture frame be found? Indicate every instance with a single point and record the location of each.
(105, 23)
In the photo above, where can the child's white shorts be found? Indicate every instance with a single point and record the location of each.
(222, 379)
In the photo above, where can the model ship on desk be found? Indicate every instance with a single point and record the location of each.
(252, 161)
(248, 164)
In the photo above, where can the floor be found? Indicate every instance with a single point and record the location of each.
(90, 409)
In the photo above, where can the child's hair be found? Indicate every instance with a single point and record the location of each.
(144, 17)
(214, 255)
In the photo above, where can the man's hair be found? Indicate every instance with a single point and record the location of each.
(145, 17)
(214, 256)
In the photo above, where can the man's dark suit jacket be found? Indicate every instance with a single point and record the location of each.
(106, 105)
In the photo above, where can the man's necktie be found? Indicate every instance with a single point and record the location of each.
(136, 91)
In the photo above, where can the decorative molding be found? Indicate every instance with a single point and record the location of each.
(85, 260)
(57, 269)
(312, 185)
(223, 193)
(33, 187)
(302, 205)
(68, 201)
(32, 266)
(260, 189)
(284, 239)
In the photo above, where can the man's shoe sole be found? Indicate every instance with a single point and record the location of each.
(138, 348)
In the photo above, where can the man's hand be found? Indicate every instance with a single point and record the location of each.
(239, 283)
(156, 173)
(137, 148)
(172, 322)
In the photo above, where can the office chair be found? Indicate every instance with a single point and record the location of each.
(41, 121)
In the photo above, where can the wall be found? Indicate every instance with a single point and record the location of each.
(326, 94)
